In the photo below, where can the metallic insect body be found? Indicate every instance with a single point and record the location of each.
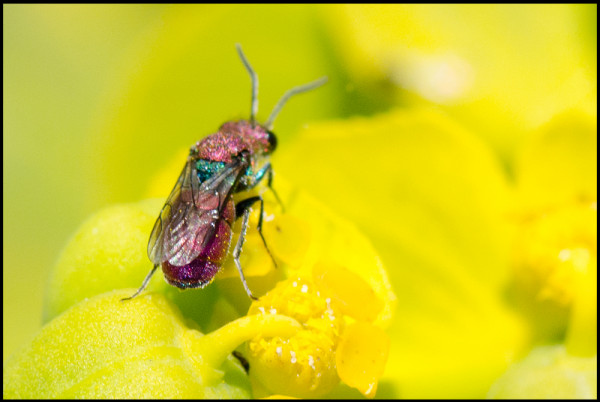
(193, 232)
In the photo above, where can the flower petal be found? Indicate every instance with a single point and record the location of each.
(433, 199)
(352, 294)
(361, 356)
(559, 164)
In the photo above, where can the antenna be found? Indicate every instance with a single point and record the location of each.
(289, 94)
(254, 78)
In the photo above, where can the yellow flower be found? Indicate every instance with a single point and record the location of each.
(336, 341)
(555, 262)
(433, 199)
(349, 302)
(338, 290)
(501, 70)
(427, 55)
(555, 252)
(438, 207)
(303, 365)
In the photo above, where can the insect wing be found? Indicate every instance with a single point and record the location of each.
(160, 244)
(188, 219)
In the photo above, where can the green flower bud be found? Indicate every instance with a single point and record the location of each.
(107, 252)
(549, 373)
(108, 348)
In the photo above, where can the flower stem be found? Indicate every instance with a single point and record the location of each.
(211, 350)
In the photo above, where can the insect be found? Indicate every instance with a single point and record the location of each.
(192, 235)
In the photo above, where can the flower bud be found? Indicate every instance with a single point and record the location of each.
(549, 373)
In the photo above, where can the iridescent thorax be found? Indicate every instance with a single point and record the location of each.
(232, 139)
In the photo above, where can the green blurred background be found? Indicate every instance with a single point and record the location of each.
(98, 98)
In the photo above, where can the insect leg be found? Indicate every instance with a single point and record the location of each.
(269, 182)
(238, 250)
(242, 360)
(144, 284)
(268, 170)
(244, 206)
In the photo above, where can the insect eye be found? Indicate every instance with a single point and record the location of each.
(272, 140)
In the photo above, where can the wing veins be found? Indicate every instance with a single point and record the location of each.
(183, 227)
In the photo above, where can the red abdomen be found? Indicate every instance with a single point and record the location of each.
(201, 271)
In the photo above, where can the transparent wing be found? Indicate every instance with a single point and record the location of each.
(188, 219)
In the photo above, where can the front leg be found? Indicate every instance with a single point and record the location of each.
(243, 207)
(238, 250)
